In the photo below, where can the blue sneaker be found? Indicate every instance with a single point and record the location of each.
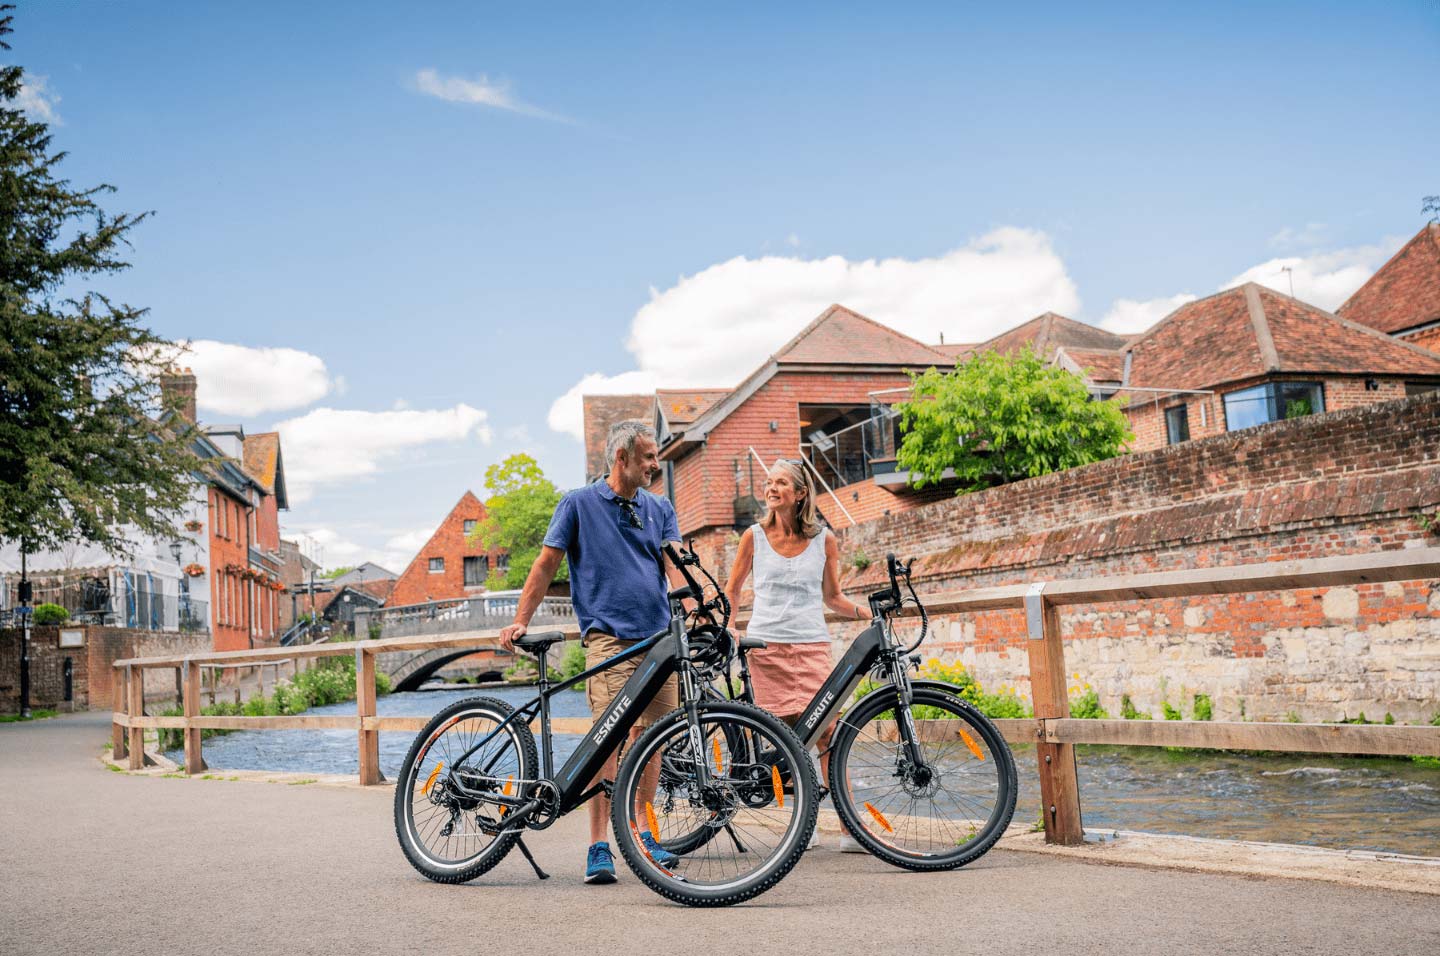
(657, 852)
(600, 864)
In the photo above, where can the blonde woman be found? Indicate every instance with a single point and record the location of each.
(796, 564)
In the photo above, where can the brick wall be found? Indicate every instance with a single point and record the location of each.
(419, 584)
(1428, 339)
(1347, 482)
(229, 547)
(92, 673)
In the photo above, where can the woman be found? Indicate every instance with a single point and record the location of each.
(796, 563)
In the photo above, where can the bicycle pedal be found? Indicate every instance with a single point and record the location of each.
(608, 786)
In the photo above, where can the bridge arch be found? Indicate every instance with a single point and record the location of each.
(415, 671)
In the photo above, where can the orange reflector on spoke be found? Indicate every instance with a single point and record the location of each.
(430, 782)
(719, 764)
(508, 784)
(650, 819)
(970, 742)
(879, 817)
(779, 787)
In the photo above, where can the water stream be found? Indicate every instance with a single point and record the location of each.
(1338, 802)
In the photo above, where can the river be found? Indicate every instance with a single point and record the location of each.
(1339, 802)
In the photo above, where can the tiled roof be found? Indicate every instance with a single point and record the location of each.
(842, 337)
(1047, 332)
(954, 350)
(603, 411)
(682, 406)
(1251, 330)
(1099, 365)
(1405, 292)
(262, 453)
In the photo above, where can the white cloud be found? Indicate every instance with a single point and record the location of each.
(1309, 235)
(1325, 279)
(243, 381)
(335, 549)
(330, 445)
(481, 91)
(38, 100)
(717, 326)
(1129, 315)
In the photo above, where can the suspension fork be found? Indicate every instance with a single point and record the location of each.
(689, 694)
(905, 721)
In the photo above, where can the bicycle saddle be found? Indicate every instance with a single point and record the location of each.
(752, 643)
(539, 640)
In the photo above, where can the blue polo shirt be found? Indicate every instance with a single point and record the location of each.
(617, 571)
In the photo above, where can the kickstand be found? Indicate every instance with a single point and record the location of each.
(531, 859)
(739, 847)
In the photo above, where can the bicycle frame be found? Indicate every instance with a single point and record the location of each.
(666, 652)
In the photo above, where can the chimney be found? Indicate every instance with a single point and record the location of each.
(177, 389)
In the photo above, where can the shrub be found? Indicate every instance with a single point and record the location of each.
(572, 660)
(49, 614)
(1087, 706)
(860, 560)
(1171, 713)
(1204, 709)
(1003, 705)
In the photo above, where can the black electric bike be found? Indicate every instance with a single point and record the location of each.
(918, 776)
(472, 781)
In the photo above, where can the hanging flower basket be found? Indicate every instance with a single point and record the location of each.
(194, 570)
(193, 525)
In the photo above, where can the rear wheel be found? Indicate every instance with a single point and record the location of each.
(757, 812)
(448, 827)
(940, 814)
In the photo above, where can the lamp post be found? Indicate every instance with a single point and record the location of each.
(25, 595)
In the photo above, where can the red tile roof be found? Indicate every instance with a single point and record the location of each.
(1099, 365)
(682, 406)
(1405, 292)
(955, 350)
(603, 411)
(262, 453)
(1047, 332)
(843, 337)
(1251, 330)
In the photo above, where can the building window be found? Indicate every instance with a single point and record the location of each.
(476, 568)
(437, 565)
(1272, 402)
(502, 562)
(1177, 424)
(469, 527)
(1420, 388)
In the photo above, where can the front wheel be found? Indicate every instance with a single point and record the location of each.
(447, 816)
(756, 808)
(939, 814)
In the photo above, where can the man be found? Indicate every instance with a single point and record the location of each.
(613, 533)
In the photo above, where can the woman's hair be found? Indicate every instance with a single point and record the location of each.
(806, 518)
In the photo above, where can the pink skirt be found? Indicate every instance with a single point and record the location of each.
(786, 676)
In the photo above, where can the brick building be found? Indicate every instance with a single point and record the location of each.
(1403, 298)
(600, 413)
(448, 566)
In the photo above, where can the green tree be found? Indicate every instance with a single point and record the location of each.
(998, 418)
(334, 573)
(518, 511)
(85, 446)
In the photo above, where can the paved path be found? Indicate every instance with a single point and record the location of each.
(107, 863)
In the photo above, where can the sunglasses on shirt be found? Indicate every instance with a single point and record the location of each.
(631, 516)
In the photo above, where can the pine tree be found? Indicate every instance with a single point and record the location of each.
(87, 445)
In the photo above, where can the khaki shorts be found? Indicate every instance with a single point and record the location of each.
(602, 688)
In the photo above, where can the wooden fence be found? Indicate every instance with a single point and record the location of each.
(1052, 731)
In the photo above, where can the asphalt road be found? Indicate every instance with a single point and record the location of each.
(100, 862)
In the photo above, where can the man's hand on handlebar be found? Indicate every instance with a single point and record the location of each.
(509, 633)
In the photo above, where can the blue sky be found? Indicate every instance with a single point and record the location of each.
(453, 213)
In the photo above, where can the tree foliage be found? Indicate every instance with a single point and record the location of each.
(518, 513)
(83, 450)
(998, 418)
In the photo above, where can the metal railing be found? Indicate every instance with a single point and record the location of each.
(1052, 730)
(460, 614)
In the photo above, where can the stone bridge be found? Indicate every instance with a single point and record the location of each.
(408, 670)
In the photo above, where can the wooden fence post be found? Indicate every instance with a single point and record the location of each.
(365, 707)
(135, 687)
(194, 759)
(120, 700)
(1059, 785)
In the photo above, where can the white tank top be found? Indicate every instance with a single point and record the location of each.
(789, 592)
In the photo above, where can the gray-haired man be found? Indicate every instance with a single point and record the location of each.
(613, 533)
